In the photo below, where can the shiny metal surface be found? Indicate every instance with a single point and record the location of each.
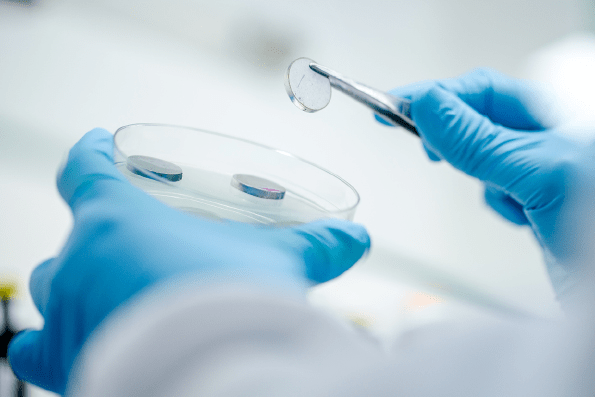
(258, 187)
(140, 164)
(396, 110)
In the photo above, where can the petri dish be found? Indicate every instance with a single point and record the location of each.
(220, 177)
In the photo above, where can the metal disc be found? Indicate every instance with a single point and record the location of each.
(258, 187)
(164, 169)
(307, 89)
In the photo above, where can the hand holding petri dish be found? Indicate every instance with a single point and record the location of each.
(220, 177)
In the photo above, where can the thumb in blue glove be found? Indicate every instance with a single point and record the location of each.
(124, 241)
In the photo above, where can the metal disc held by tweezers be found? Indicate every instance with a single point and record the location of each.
(258, 187)
(311, 93)
(164, 169)
(307, 89)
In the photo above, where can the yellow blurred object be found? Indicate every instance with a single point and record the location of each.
(361, 319)
(8, 288)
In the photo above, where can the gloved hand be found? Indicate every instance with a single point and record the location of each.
(124, 241)
(481, 124)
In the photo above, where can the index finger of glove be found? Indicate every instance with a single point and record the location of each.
(90, 160)
(503, 100)
(470, 141)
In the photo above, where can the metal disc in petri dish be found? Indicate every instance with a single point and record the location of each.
(164, 169)
(258, 187)
(308, 90)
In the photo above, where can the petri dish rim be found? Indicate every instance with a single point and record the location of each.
(249, 142)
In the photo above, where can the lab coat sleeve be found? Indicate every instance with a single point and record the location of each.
(234, 341)
(490, 357)
(228, 341)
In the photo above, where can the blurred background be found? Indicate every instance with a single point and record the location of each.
(68, 66)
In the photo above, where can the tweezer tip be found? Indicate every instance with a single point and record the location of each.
(319, 69)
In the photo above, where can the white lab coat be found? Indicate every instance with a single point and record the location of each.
(233, 341)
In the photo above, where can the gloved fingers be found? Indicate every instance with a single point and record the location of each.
(469, 141)
(28, 358)
(431, 155)
(504, 100)
(40, 282)
(506, 206)
(330, 247)
(90, 160)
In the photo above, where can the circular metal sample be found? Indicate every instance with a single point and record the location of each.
(164, 169)
(258, 187)
(307, 89)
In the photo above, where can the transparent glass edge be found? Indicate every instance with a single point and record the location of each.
(118, 153)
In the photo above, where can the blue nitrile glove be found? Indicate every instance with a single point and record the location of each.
(481, 124)
(123, 241)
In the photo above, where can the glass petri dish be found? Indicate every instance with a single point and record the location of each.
(221, 177)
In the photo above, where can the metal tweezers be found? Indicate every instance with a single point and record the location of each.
(394, 109)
